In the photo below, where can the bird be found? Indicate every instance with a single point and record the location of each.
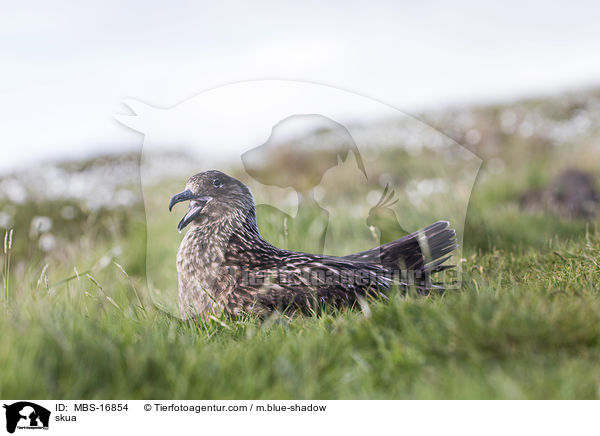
(225, 267)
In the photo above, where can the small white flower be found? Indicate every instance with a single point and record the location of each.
(39, 225)
(47, 242)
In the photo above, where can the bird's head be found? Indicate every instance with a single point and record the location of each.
(213, 196)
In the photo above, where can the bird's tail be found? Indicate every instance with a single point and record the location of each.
(418, 255)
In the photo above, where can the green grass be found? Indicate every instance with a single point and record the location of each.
(90, 318)
(524, 324)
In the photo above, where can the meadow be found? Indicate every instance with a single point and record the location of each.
(82, 317)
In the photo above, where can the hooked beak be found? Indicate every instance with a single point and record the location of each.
(197, 203)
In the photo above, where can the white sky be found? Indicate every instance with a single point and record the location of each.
(65, 66)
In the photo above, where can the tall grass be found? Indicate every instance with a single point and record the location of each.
(524, 324)
(94, 316)
(6, 271)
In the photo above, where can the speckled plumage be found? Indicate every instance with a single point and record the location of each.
(225, 266)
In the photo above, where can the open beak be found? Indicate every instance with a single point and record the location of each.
(197, 203)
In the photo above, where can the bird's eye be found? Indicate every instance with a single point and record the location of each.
(217, 183)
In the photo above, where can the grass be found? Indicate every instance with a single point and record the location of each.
(90, 318)
(522, 326)
(6, 271)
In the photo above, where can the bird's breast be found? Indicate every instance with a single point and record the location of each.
(199, 265)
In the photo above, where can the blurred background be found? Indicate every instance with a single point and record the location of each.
(512, 84)
(498, 130)
(67, 66)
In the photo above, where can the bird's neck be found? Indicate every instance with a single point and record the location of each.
(249, 226)
(215, 236)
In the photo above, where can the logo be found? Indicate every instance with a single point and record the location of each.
(316, 158)
(26, 415)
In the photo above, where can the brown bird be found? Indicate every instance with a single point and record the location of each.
(225, 266)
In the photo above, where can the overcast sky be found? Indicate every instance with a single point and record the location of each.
(65, 66)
